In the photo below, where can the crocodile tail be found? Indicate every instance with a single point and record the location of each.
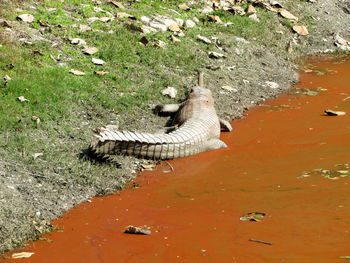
(145, 145)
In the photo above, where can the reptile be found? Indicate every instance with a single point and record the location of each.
(198, 131)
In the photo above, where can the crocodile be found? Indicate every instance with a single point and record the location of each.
(198, 131)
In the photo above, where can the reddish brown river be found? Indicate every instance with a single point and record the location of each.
(285, 159)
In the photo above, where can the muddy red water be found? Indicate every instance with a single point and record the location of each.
(194, 212)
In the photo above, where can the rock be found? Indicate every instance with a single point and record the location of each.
(161, 44)
(90, 50)
(78, 41)
(76, 72)
(91, 20)
(242, 40)
(189, 23)
(196, 20)
(204, 39)
(158, 26)
(26, 18)
(147, 29)
(271, 85)
(7, 78)
(341, 42)
(254, 17)
(164, 20)
(238, 10)
(145, 19)
(137, 230)
(174, 28)
(229, 88)
(83, 28)
(185, 7)
(101, 73)
(301, 30)
(213, 54)
(251, 10)
(286, 14)
(170, 91)
(97, 61)
(180, 22)
(207, 9)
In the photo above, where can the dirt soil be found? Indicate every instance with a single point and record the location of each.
(30, 200)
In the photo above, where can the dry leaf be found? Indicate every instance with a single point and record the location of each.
(22, 255)
(22, 99)
(76, 72)
(251, 10)
(125, 15)
(148, 167)
(117, 4)
(174, 28)
(334, 113)
(26, 18)
(175, 39)
(288, 15)
(36, 155)
(36, 119)
(185, 7)
(90, 50)
(101, 73)
(97, 61)
(301, 30)
(137, 230)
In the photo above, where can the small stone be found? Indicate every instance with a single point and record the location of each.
(271, 85)
(254, 17)
(189, 24)
(251, 10)
(170, 91)
(204, 39)
(91, 20)
(215, 19)
(26, 18)
(301, 30)
(105, 19)
(238, 10)
(7, 78)
(288, 15)
(90, 50)
(175, 39)
(196, 20)
(207, 9)
(83, 28)
(180, 22)
(97, 61)
(125, 15)
(161, 44)
(101, 73)
(145, 19)
(117, 4)
(147, 29)
(158, 26)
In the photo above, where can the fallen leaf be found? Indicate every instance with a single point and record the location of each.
(213, 54)
(286, 14)
(334, 113)
(137, 230)
(215, 19)
(36, 119)
(117, 4)
(301, 30)
(174, 28)
(26, 18)
(229, 88)
(175, 39)
(251, 10)
(22, 99)
(97, 61)
(184, 6)
(148, 167)
(125, 15)
(22, 255)
(90, 50)
(36, 155)
(101, 73)
(170, 91)
(204, 39)
(76, 72)
(253, 216)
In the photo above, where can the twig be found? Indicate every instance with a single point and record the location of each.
(171, 168)
(259, 241)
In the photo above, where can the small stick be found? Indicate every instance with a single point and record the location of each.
(259, 241)
(171, 167)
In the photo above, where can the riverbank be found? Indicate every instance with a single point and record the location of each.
(49, 114)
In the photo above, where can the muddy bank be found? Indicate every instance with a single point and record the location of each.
(34, 193)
